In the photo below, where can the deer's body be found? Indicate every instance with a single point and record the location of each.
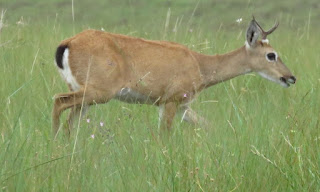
(157, 71)
(99, 66)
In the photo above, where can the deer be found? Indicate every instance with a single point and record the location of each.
(99, 66)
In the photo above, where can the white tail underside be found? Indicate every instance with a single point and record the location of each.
(66, 72)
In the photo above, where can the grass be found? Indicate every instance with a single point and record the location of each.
(261, 137)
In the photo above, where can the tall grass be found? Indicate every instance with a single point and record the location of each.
(260, 136)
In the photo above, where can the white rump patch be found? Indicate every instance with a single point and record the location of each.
(66, 72)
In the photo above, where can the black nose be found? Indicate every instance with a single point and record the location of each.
(288, 80)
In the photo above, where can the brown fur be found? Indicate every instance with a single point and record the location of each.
(168, 73)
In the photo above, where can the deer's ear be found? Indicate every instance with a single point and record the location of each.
(253, 33)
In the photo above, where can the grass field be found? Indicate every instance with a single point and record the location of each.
(261, 137)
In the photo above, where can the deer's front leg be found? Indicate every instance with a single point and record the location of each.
(167, 112)
(191, 116)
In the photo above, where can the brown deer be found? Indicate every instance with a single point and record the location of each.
(100, 66)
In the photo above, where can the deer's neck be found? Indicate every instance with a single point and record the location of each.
(219, 68)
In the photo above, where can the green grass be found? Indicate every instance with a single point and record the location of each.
(261, 137)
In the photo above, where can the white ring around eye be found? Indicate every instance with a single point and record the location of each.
(276, 57)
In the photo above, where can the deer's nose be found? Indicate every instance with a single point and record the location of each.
(288, 80)
(292, 79)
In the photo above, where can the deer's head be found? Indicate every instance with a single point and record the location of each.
(263, 58)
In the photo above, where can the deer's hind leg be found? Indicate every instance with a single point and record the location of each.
(167, 112)
(76, 100)
(76, 113)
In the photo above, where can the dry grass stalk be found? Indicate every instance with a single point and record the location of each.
(3, 12)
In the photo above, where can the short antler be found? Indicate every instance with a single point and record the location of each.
(264, 34)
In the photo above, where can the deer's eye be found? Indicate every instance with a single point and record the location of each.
(271, 57)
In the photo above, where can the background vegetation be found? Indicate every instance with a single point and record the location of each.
(260, 137)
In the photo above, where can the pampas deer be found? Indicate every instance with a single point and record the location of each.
(100, 66)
